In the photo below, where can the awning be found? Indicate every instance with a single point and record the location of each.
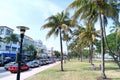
(9, 55)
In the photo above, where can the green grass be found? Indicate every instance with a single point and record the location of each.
(76, 70)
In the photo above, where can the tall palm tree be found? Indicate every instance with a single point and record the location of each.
(93, 10)
(89, 36)
(76, 34)
(58, 24)
(10, 40)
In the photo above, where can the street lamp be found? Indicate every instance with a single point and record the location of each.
(22, 31)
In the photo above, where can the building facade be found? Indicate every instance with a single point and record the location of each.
(7, 49)
(11, 49)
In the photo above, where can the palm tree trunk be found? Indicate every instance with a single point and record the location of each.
(61, 51)
(91, 52)
(89, 55)
(102, 47)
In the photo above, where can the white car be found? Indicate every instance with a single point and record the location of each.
(33, 64)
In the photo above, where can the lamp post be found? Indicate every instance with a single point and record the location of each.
(22, 31)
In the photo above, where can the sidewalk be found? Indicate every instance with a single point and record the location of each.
(29, 73)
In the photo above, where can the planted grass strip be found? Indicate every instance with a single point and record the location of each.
(76, 70)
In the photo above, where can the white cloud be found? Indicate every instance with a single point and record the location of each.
(31, 13)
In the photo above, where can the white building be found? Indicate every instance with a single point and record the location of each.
(39, 46)
(50, 52)
(6, 48)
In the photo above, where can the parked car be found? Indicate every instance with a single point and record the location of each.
(43, 61)
(8, 65)
(33, 64)
(14, 68)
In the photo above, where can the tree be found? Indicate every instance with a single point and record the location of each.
(40, 51)
(10, 40)
(58, 24)
(1, 39)
(92, 10)
(116, 29)
(111, 39)
(31, 51)
(89, 36)
(67, 38)
(57, 53)
(76, 40)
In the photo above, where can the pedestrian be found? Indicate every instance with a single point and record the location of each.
(93, 67)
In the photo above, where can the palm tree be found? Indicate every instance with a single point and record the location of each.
(77, 39)
(92, 10)
(58, 24)
(32, 51)
(89, 36)
(11, 39)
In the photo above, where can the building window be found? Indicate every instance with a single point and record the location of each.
(7, 48)
(13, 48)
(8, 32)
(1, 30)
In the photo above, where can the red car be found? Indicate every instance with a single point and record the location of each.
(14, 68)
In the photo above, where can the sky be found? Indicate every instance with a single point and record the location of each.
(32, 14)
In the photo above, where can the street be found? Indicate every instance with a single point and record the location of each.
(6, 75)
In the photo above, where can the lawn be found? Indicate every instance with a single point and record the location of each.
(76, 70)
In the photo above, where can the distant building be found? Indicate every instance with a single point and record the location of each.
(50, 52)
(38, 45)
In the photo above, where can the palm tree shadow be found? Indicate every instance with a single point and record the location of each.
(72, 70)
(100, 78)
(115, 78)
(112, 68)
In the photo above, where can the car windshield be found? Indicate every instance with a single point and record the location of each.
(15, 65)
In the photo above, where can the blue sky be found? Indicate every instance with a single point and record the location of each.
(32, 13)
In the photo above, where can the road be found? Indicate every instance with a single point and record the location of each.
(6, 75)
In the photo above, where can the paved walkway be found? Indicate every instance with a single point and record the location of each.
(29, 73)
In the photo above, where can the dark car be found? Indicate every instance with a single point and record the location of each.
(14, 68)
